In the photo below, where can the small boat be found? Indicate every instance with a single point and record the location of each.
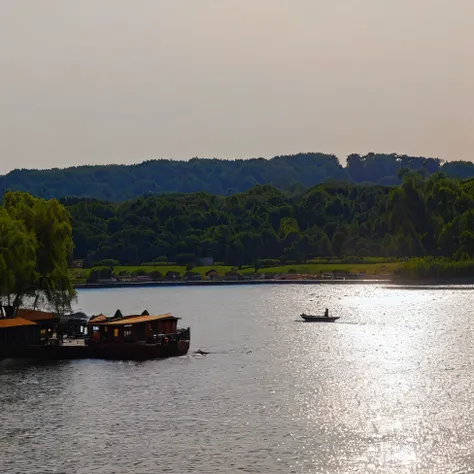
(322, 319)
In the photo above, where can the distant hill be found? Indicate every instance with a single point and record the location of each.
(118, 183)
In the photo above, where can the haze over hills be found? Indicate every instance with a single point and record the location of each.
(118, 183)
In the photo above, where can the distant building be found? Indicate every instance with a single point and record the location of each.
(107, 280)
(192, 276)
(232, 275)
(383, 270)
(212, 274)
(206, 261)
(125, 277)
(143, 278)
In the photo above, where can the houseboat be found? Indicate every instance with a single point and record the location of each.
(15, 335)
(28, 334)
(135, 337)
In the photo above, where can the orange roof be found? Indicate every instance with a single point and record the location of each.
(137, 319)
(15, 322)
(34, 315)
(97, 319)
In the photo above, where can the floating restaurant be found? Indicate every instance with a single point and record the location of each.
(18, 331)
(45, 335)
(137, 337)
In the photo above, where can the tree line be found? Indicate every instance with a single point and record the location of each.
(293, 173)
(421, 216)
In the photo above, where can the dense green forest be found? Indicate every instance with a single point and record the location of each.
(117, 183)
(423, 216)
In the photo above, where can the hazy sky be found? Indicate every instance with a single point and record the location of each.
(121, 81)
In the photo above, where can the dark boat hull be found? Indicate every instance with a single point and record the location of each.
(42, 352)
(116, 351)
(138, 351)
(99, 351)
(319, 319)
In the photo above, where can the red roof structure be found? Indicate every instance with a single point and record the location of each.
(135, 319)
(15, 322)
(34, 315)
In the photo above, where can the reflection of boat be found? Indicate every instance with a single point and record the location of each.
(322, 319)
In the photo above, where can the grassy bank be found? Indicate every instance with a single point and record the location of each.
(318, 268)
(369, 269)
(436, 269)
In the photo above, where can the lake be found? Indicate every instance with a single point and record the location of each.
(387, 388)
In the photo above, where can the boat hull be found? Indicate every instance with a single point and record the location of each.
(101, 351)
(44, 352)
(115, 351)
(138, 351)
(319, 319)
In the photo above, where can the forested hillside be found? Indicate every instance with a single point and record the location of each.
(433, 216)
(118, 183)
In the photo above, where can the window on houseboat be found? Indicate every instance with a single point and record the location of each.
(116, 332)
(127, 333)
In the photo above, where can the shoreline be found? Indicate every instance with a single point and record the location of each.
(388, 281)
(231, 282)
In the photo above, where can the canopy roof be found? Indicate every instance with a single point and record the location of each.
(15, 322)
(35, 315)
(100, 318)
(135, 319)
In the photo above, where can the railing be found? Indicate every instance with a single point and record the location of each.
(182, 334)
(163, 339)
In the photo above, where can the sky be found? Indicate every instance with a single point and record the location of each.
(122, 81)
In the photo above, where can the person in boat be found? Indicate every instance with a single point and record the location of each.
(326, 313)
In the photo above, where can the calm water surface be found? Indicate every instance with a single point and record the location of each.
(387, 389)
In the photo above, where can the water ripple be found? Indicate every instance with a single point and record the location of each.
(387, 388)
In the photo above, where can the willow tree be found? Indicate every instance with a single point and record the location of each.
(44, 229)
(17, 262)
